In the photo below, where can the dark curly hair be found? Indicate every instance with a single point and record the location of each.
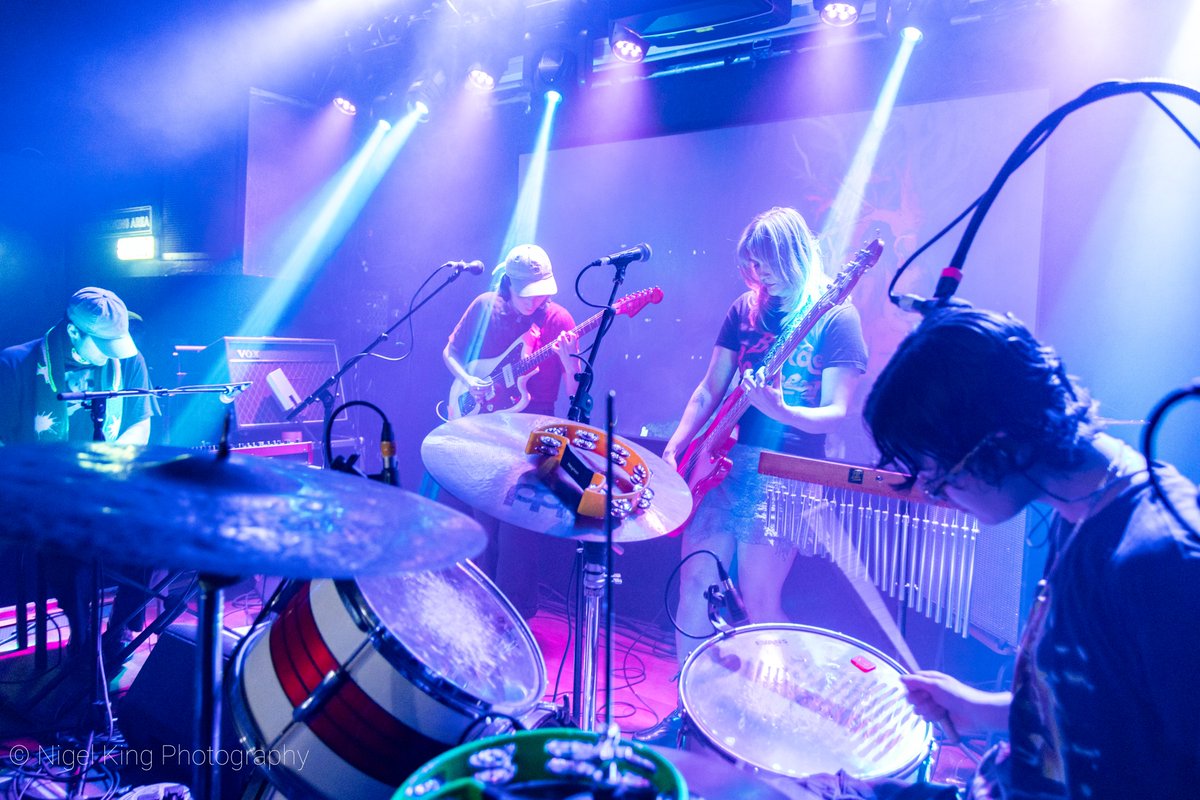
(967, 376)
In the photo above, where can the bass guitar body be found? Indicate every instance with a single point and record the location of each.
(706, 461)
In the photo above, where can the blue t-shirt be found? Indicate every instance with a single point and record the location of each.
(836, 340)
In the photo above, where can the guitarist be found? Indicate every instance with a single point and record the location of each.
(521, 307)
(781, 265)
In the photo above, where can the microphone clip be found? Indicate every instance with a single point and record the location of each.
(718, 609)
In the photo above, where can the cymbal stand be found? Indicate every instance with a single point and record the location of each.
(597, 583)
(209, 684)
(597, 576)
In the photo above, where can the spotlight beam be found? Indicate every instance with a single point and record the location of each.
(324, 221)
(847, 206)
(522, 227)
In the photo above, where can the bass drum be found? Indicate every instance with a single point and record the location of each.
(794, 700)
(358, 683)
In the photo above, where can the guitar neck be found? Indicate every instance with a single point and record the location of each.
(538, 356)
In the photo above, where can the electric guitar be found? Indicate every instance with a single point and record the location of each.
(705, 463)
(511, 370)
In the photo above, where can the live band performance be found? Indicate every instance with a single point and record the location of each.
(645, 399)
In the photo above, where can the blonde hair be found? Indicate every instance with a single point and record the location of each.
(780, 239)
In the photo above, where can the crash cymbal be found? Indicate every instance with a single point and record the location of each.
(481, 460)
(242, 515)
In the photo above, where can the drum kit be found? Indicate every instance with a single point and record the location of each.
(394, 649)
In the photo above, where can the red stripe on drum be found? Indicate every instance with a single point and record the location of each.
(350, 723)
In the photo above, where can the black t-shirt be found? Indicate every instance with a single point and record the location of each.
(835, 341)
(19, 418)
(1109, 706)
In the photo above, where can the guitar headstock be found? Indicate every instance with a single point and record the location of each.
(631, 304)
(863, 260)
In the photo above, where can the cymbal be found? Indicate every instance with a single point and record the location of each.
(481, 460)
(242, 515)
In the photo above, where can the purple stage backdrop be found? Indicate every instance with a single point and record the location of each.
(690, 195)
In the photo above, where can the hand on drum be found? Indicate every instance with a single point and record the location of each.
(941, 699)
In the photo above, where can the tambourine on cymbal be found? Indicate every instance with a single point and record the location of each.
(234, 515)
(482, 461)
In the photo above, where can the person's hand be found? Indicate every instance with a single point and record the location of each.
(564, 347)
(480, 388)
(669, 455)
(762, 392)
(958, 708)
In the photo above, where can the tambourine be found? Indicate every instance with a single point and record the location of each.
(552, 762)
(561, 441)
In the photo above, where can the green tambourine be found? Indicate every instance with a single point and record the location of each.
(536, 763)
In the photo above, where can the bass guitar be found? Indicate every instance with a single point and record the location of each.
(511, 370)
(706, 462)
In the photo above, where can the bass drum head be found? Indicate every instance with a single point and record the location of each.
(456, 628)
(795, 700)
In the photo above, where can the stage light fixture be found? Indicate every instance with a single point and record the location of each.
(424, 93)
(838, 13)
(344, 104)
(627, 46)
(555, 67)
(479, 78)
(913, 20)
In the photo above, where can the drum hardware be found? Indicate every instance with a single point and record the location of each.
(481, 460)
(177, 509)
(726, 610)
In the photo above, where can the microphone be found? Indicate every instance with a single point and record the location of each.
(639, 252)
(387, 449)
(733, 598)
(473, 267)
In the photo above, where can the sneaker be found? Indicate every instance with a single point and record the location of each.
(666, 730)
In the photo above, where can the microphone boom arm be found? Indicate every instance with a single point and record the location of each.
(325, 392)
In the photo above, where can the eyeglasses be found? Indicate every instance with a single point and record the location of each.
(935, 487)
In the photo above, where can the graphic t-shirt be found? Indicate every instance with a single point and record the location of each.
(24, 379)
(496, 325)
(835, 341)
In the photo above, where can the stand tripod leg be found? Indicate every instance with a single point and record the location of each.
(588, 636)
(207, 778)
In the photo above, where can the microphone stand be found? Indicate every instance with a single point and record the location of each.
(326, 392)
(208, 655)
(581, 402)
(596, 557)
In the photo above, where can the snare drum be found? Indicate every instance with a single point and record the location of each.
(795, 700)
(358, 683)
